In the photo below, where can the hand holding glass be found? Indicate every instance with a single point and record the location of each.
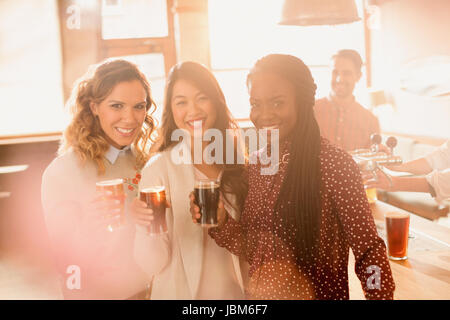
(206, 193)
(114, 190)
(155, 198)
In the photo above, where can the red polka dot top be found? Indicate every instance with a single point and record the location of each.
(277, 270)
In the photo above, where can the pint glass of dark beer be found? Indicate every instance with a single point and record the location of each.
(115, 187)
(206, 193)
(155, 197)
(397, 232)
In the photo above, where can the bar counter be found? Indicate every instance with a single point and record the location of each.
(425, 275)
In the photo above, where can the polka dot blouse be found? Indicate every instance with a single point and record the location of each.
(346, 222)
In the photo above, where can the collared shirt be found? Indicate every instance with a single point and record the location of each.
(113, 153)
(349, 127)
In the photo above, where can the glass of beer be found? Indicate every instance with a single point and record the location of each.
(155, 197)
(115, 187)
(397, 231)
(206, 193)
(371, 194)
(368, 166)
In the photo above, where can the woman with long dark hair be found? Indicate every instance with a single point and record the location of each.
(198, 268)
(299, 223)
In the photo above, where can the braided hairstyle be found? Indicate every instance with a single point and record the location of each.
(299, 200)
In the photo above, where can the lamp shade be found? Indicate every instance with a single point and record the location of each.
(318, 12)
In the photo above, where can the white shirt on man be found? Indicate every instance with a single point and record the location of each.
(439, 178)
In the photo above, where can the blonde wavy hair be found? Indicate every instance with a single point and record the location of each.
(84, 133)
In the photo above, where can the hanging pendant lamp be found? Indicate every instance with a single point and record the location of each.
(318, 12)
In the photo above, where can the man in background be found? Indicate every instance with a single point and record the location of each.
(341, 119)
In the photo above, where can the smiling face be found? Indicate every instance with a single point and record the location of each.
(273, 105)
(344, 77)
(122, 113)
(191, 107)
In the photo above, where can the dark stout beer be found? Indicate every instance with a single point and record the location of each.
(207, 199)
(155, 197)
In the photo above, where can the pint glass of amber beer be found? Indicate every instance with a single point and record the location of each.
(155, 197)
(116, 190)
(206, 192)
(397, 232)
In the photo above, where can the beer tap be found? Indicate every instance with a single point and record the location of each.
(376, 140)
(374, 153)
(389, 159)
(391, 142)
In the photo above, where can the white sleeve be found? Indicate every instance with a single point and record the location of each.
(440, 181)
(151, 252)
(440, 158)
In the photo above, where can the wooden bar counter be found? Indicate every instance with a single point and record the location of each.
(426, 272)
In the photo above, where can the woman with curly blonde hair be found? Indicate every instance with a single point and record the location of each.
(107, 139)
(84, 134)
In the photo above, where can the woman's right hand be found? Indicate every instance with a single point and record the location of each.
(382, 181)
(102, 211)
(140, 213)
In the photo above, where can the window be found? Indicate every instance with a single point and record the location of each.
(47, 45)
(134, 19)
(243, 31)
(141, 31)
(30, 68)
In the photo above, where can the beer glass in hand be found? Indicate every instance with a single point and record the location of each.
(114, 190)
(368, 168)
(155, 198)
(206, 193)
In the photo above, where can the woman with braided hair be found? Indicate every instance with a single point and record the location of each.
(299, 223)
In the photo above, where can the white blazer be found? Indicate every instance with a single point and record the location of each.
(181, 278)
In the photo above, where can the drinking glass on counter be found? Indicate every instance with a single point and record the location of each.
(115, 190)
(155, 198)
(397, 234)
